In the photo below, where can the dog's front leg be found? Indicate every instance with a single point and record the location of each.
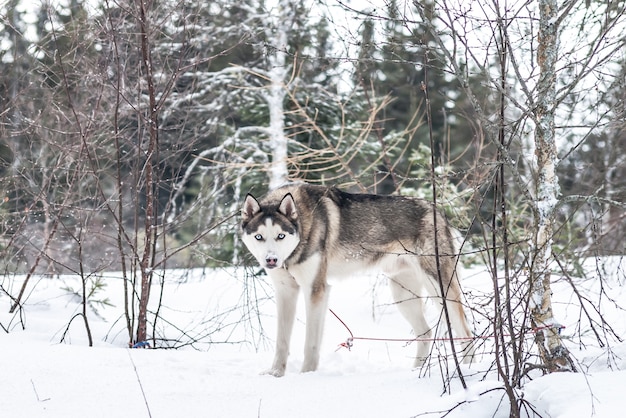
(286, 299)
(316, 300)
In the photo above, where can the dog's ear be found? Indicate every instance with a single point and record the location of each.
(288, 207)
(250, 208)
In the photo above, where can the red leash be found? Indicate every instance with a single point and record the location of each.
(350, 341)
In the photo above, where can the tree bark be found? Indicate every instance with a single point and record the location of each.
(554, 355)
(147, 260)
(275, 98)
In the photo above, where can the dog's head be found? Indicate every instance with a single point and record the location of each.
(270, 231)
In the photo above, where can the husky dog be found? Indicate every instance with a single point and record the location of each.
(302, 233)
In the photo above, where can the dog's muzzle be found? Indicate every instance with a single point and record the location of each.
(271, 261)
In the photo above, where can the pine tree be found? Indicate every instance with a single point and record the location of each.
(268, 101)
(406, 64)
(592, 172)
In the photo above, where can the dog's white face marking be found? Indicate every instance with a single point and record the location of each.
(270, 244)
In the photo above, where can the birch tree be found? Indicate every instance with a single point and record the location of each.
(553, 352)
(278, 70)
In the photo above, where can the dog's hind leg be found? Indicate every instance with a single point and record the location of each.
(453, 297)
(286, 300)
(406, 294)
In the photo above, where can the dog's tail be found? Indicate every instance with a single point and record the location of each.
(458, 241)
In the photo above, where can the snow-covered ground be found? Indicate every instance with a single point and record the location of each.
(223, 322)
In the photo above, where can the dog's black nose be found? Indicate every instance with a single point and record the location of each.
(271, 261)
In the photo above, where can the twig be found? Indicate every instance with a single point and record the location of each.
(37, 393)
(143, 393)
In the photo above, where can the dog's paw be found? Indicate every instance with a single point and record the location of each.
(274, 372)
(308, 368)
(419, 362)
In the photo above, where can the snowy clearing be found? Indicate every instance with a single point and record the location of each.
(223, 324)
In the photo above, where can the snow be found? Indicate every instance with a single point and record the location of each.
(223, 323)
(579, 395)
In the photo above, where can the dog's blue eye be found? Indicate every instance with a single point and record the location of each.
(258, 237)
(281, 236)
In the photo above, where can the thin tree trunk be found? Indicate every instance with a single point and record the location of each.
(119, 181)
(553, 353)
(147, 259)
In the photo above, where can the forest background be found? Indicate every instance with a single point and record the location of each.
(131, 131)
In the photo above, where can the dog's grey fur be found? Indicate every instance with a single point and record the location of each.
(303, 233)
